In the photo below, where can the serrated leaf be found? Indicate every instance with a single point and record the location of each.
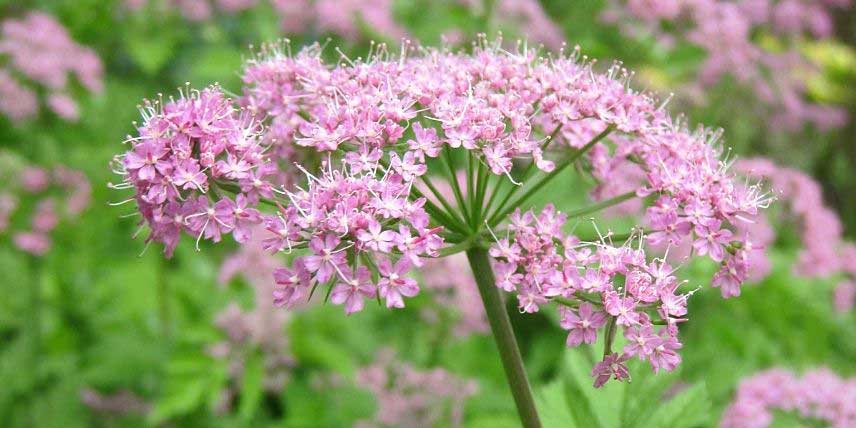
(688, 409)
(575, 382)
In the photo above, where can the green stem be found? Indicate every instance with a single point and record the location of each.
(453, 178)
(481, 188)
(609, 336)
(500, 325)
(446, 219)
(471, 188)
(504, 211)
(459, 247)
(450, 211)
(601, 205)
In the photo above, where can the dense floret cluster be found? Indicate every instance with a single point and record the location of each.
(817, 396)
(736, 36)
(59, 194)
(37, 51)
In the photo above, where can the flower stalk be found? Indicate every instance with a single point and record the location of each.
(500, 325)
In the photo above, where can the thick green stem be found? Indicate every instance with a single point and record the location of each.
(500, 325)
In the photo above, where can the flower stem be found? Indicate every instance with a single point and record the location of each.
(601, 205)
(504, 211)
(500, 325)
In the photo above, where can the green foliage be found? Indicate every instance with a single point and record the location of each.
(647, 401)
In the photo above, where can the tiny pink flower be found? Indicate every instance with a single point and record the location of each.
(353, 289)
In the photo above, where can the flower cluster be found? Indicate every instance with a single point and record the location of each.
(60, 194)
(188, 153)
(410, 397)
(272, 87)
(352, 220)
(345, 18)
(819, 395)
(600, 286)
(38, 50)
(824, 251)
(525, 17)
(730, 32)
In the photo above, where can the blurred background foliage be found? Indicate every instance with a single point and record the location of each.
(110, 321)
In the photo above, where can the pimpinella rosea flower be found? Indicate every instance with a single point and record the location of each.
(737, 37)
(36, 50)
(818, 395)
(188, 154)
(412, 397)
(368, 167)
(825, 252)
(57, 195)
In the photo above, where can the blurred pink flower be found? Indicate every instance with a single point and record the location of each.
(409, 397)
(819, 395)
(39, 48)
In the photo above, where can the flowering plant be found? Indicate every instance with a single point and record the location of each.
(59, 194)
(818, 396)
(342, 164)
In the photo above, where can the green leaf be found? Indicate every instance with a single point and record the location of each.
(571, 400)
(181, 397)
(688, 409)
(553, 407)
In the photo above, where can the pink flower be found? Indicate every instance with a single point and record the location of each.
(731, 275)
(612, 366)
(622, 308)
(39, 50)
(353, 290)
(64, 107)
(641, 341)
(663, 355)
(394, 285)
(582, 324)
(376, 239)
(818, 395)
(712, 240)
(426, 142)
(325, 261)
(507, 277)
(34, 243)
(292, 284)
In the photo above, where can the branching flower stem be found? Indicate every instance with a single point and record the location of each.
(504, 210)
